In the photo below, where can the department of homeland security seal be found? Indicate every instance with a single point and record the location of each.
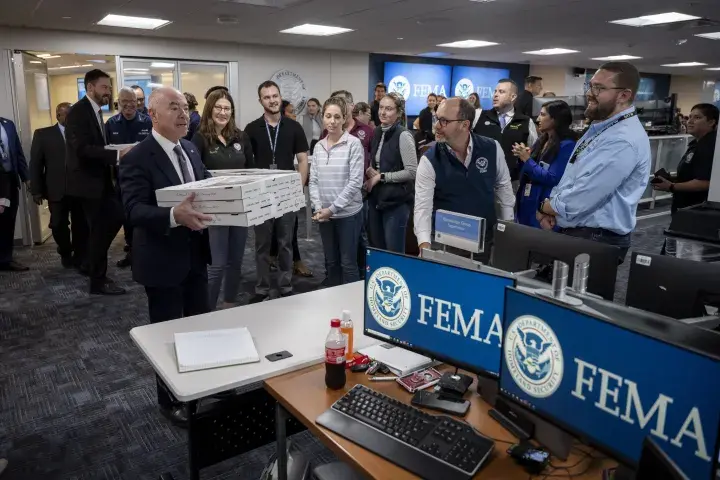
(400, 85)
(464, 88)
(533, 356)
(388, 298)
(292, 88)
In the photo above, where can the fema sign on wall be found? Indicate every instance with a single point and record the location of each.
(415, 81)
(292, 88)
(467, 80)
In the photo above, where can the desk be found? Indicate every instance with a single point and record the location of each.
(298, 324)
(304, 396)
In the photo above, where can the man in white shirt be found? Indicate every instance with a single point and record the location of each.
(462, 173)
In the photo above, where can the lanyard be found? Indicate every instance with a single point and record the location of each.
(583, 146)
(273, 145)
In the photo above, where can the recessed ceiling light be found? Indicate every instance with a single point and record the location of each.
(97, 61)
(400, 38)
(714, 69)
(133, 22)
(684, 64)
(47, 55)
(70, 66)
(434, 54)
(711, 36)
(35, 61)
(316, 30)
(66, 18)
(616, 58)
(136, 70)
(162, 65)
(551, 51)
(467, 44)
(659, 19)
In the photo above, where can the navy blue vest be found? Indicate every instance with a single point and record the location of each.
(468, 190)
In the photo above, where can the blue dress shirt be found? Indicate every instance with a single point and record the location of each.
(602, 188)
(5, 154)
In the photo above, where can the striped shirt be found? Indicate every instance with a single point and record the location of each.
(336, 176)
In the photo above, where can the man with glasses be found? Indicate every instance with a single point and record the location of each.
(609, 170)
(140, 93)
(463, 173)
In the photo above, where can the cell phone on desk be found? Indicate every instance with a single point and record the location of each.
(441, 403)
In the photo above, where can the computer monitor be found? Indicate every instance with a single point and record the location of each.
(519, 247)
(672, 286)
(444, 312)
(611, 383)
(655, 464)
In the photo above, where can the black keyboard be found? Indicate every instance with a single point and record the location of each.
(431, 446)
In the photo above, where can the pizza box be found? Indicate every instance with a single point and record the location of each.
(214, 189)
(228, 206)
(286, 176)
(247, 219)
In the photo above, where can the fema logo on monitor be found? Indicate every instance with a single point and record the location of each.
(534, 357)
(400, 85)
(388, 298)
(716, 96)
(464, 88)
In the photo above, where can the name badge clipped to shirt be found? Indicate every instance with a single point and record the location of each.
(528, 187)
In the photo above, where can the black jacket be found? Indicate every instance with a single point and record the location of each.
(47, 163)
(5, 183)
(89, 166)
(162, 256)
(517, 131)
(524, 103)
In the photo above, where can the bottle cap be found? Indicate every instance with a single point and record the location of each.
(335, 322)
(345, 315)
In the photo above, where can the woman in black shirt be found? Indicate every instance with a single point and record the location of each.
(224, 147)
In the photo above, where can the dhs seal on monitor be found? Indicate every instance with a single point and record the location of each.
(388, 298)
(292, 88)
(533, 355)
(464, 88)
(400, 85)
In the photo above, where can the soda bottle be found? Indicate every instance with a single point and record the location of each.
(335, 357)
(346, 327)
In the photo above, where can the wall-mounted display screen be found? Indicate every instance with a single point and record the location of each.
(466, 80)
(415, 81)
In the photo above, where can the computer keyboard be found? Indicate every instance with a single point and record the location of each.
(431, 446)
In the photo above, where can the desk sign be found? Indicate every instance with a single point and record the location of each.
(460, 231)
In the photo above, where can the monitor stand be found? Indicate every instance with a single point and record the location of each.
(620, 472)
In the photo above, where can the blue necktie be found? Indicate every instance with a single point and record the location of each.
(503, 121)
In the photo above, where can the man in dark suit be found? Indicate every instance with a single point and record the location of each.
(171, 249)
(524, 100)
(15, 167)
(90, 176)
(47, 175)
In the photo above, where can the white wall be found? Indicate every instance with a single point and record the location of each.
(689, 90)
(322, 70)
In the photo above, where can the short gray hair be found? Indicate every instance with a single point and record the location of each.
(127, 90)
(159, 93)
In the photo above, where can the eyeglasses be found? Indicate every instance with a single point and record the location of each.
(221, 109)
(598, 89)
(444, 121)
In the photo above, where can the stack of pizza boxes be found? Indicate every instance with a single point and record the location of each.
(240, 198)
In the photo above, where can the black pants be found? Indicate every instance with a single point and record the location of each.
(7, 221)
(296, 249)
(603, 236)
(104, 217)
(127, 228)
(168, 303)
(66, 218)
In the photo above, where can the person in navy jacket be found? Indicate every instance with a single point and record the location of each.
(543, 165)
(15, 168)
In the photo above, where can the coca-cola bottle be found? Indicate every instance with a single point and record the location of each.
(335, 357)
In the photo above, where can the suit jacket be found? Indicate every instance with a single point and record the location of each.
(15, 151)
(5, 184)
(89, 165)
(47, 163)
(524, 103)
(162, 256)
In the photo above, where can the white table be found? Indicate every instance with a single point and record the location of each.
(298, 324)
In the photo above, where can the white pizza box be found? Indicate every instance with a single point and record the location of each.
(214, 189)
(247, 219)
(286, 176)
(120, 146)
(228, 206)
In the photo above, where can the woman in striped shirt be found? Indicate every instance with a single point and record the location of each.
(336, 178)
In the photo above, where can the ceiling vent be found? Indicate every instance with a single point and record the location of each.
(227, 20)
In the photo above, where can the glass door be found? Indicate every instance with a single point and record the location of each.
(198, 77)
(32, 96)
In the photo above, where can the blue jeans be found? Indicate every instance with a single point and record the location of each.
(623, 242)
(340, 237)
(386, 228)
(227, 246)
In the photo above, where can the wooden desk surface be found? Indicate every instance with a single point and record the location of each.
(304, 395)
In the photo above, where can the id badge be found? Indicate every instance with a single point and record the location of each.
(273, 166)
(528, 187)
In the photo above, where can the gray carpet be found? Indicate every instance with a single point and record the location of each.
(77, 400)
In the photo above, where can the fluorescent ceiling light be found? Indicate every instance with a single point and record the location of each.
(316, 30)
(551, 51)
(97, 61)
(162, 65)
(70, 66)
(133, 22)
(136, 70)
(35, 61)
(467, 44)
(684, 64)
(714, 69)
(434, 54)
(711, 36)
(48, 55)
(659, 19)
(155, 85)
(616, 58)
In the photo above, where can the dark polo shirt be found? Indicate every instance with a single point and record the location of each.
(291, 141)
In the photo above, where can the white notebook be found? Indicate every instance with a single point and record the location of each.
(214, 348)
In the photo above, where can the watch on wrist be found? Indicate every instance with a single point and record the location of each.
(382, 177)
(542, 206)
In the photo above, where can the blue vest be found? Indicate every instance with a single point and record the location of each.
(468, 190)
(122, 131)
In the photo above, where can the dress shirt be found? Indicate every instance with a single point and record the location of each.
(425, 192)
(478, 112)
(96, 108)
(168, 147)
(532, 130)
(62, 130)
(602, 188)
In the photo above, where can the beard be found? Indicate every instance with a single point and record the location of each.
(598, 111)
(272, 110)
